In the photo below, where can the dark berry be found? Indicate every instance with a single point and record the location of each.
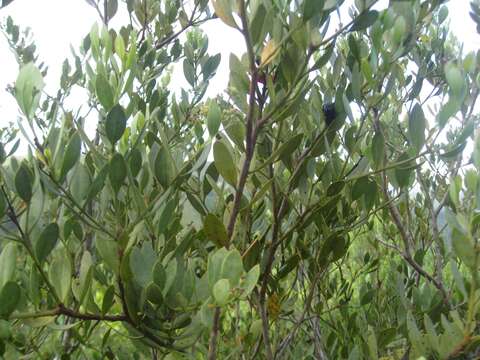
(329, 112)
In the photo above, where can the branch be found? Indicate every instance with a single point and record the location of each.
(407, 241)
(251, 137)
(61, 310)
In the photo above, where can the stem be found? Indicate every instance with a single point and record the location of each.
(61, 310)
(26, 243)
(212, 346)
(265, 331)
(251, 137)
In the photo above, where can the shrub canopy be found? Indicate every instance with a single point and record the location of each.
(325, 206)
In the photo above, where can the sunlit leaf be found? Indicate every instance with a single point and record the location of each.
(224, 162)
(28, 87)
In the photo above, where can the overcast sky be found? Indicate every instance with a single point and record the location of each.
(58, 23)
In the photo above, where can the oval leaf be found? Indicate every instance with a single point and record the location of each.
(72, 154)
(213, 118)
(28, 86)
(215, 230)
(9, 298)
(364, 20)
(61, 276)
(104, 92)
(115, 124)
(224, 163)
(47, 241)
(23, 183)
(117, 171)
(269, 52)
(416, 127)
(232, 267)
(8, 260)
(163, 168)
(221, 291)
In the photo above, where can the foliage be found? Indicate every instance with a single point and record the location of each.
(326, 206)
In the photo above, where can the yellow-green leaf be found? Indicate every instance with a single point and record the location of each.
(223, 9)
(28, 86)
(224, 163)
(269, 52)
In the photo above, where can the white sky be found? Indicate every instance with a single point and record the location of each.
(58, 23)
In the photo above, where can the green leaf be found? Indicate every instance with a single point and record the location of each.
(416, 127)
(154, 293)
(3, 154)
(372, 344)
(159, 274)
(364, 20)
(455, 79)
(3, 205)
(108, 299)
(214, 266)
(403, 172)
(61, 276)
(335, 188)
(5, 330)
(415, 336)
(171, 274)
(98, 183)
(215, 230)
(120, 47)
(359, 188)
(23, 183)
(28, 87)
(224, 163)
(288, 266)
(189, 72)
(112, 7)
(104, 92)
(223, 9)
(211, 66)
(431, 333)
(312, 8)
(8, 261)
(250, 280)
(221, 291)
(115, 124)
(288, 147)
(86, 276)
(232, 267)
(449, 109)
(163, 167)
(166, 215)
(117, 171)
(80, 183)
(135, 161)
(46, 241)
(213, 118)
(72, 154)
(256, 25)
(9, 298)
(235, 130)
(142, 261)
(378, 149)
(327, 54)
(339, 248)
(109, 252)
(464, 247)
